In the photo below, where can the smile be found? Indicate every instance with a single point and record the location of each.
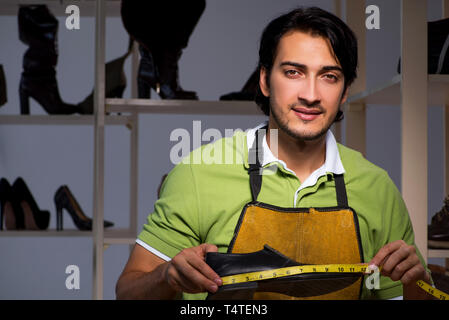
(307, 114)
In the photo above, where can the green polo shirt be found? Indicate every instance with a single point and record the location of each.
(202, 198)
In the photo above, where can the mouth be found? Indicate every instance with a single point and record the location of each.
(307, 114)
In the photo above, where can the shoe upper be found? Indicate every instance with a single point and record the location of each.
(439, 228)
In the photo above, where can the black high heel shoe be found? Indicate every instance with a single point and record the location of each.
(3, 93)
(64, 199)
(115, 82)
(10, 212)
(160, 73)
(38, 29)
(163, 30)
(33, 217)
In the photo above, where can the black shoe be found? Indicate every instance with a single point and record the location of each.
(163, 30)
(65, 200)
(11, 215)
(38, 29)
(301, 285)
(438, 230)
(33, 217)
(115, 82)
(160, 73)
(248, 92)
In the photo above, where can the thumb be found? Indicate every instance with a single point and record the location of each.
(208, 247)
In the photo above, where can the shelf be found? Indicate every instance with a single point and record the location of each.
(183, 107)
(58, 7)
(111, 236)
(389, 93)
(438, 253)
(61, 120)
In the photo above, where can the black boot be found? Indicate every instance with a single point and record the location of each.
(167, 71)
(146, 75)
(163, 29)
(115, 82)
(38, 29)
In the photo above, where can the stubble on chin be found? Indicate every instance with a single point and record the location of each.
(283, 124)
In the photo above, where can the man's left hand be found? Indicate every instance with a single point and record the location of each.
(399, 261)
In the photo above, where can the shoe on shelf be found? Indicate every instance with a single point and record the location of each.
(161, 74)
(38, 29)
(11, 215)
(115, 80)
(64, 199)
(248, 91)
(301, 285)
(438, 230)
(33, 217)
(163, 30)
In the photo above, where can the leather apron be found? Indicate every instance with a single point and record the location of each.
(326, 235)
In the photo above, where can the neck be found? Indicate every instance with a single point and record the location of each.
(303, 157)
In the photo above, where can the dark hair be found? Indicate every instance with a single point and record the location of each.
(317, 22)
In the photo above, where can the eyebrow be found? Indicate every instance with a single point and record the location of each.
(303, 66)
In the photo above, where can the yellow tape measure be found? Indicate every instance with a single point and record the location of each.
(323, 268)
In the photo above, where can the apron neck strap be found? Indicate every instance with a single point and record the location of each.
(255, 173)
(255, 168)
(342, 198)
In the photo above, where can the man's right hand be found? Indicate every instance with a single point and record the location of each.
(147, 276)
(188, 271)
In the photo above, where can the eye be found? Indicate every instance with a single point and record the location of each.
(331, 77)
(291, 73)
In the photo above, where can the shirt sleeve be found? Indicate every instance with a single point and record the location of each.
(173, 225)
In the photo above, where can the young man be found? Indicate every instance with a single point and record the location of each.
(308, 60)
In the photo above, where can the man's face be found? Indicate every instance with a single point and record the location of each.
(306, 86)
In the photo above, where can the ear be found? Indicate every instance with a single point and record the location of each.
(263, 82)
(345, 96)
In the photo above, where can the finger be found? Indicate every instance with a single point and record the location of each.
(401, 261)
(189, 278)
(203, 267)
(381, 256)
(417, 272)
(207, 247)
(190, 265)
(396, 258)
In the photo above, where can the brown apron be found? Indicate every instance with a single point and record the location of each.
(327, 235)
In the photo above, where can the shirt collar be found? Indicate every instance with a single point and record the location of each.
(332, 163)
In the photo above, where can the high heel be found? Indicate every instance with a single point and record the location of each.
(10, 213)
(38, 29)
(24, 102)
(3, 93)
(33, 217)
(161, 74)
(64, 199)
(115, 82)
(146, 75)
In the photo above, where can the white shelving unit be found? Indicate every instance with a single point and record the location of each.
(413, 90)
(128, 110)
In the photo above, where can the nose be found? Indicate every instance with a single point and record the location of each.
(308, 93)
